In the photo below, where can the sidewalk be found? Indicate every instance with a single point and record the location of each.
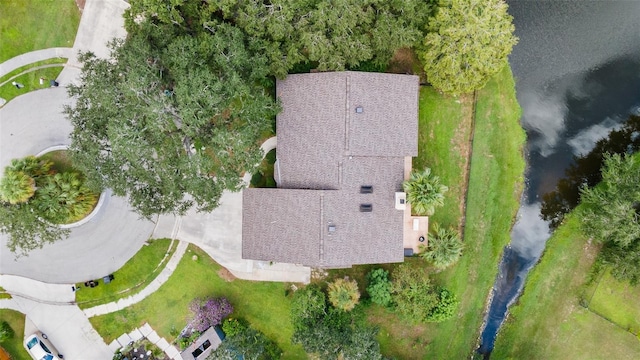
(34, 56)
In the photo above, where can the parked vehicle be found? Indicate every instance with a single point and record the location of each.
(40, 348)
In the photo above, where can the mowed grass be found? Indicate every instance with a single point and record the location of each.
(617, 301)
(31, 82)
(14, 346)
(495, 185)
(444, 125)
(263, 304)
(549, 322)
(28, 25)
(132, 277)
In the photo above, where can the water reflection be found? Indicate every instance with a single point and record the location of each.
(577, 75)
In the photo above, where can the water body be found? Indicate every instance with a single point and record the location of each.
(577, 70)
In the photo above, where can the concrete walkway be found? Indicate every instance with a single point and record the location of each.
(145, 331)
(148, 290)
(34, 56)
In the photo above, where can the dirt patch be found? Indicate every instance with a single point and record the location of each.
(226, 275)
(80, 4)
(404, 61)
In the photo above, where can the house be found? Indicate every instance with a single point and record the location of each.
(344, 140)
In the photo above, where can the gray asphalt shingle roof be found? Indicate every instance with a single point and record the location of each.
(327, 146)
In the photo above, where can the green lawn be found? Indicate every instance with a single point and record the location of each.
(28, 25)
(263, 304)
(132, 277)
(443, 146)
(31, 82)
(14, 346)
(618, 302)
(549, 322)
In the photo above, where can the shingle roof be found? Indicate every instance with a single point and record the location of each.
(326, 145)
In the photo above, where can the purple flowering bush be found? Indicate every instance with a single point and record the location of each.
(209, 312)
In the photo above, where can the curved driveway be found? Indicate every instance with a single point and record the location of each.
(29, 124)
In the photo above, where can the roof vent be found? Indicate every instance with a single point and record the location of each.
(359, 110)
(332, 228)
(366, 208)
(401, 200)
(366, 189)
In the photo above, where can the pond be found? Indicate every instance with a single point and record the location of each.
(577, 69)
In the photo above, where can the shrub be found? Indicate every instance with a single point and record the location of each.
(379, 288)
(209, 312)
(444, 247)
(6, 332)
(424, 192)
(343, 294)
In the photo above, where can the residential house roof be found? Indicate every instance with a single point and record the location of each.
(338, 132)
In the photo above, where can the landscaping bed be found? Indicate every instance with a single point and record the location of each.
(14, 345)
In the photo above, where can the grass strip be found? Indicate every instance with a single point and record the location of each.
(29, 25)
(32, 66)
(263, 304)
(132, 277)
(14, 345)
(549, 322)
(31, 82)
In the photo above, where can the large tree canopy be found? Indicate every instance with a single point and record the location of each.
(468, 42)
(335, 34)
(611, 210)
(172, 119)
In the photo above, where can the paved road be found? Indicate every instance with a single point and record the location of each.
(29, 124)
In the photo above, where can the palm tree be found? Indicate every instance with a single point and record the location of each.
(424, 192)
(64, 198)
(16, 187)
(344, 294)
(444, 247)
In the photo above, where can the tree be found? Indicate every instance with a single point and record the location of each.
(379, 288)
(444, 247)
(330, 333)
(611, 210)
(468, 42)
(334, 34)
(64, 197)
(27, 229)
(16, 187)
(417, 300)
(587, 169)
(172, 119)
(343, 294)
(624, 262)
(424, 192)
(243, 341)
(209, 312)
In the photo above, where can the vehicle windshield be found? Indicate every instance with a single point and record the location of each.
(47, 357)
(44, 347)
(32, 342)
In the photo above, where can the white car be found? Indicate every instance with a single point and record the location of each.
(40, 348)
